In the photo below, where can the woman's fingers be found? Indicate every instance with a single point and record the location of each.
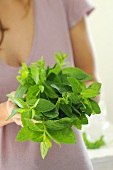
(18, 121)
(11, 106)
(17, 116)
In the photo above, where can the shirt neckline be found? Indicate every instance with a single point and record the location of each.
(33, 45)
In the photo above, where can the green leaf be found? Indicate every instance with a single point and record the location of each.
(66, 135)
(93, 145)
(76, 73)
(21, 80)
(38, 137)
(74, 98)
(48, 142)
(21, 90)
(33, 126)
(43, 75)
(89, 93)
(63, 78)
(66, 109)
(61, 87)
(14, 112)
(84, 119)
(32, 103)
(30, 81)
(52, 113)
(75, 85)
(24, 70)
(35, 73)
(62, 100)
(41, 63)
(56, 69)
(44, 105)
(77, 123)
(88, 110)
(24, 134)
(44, 149)
(18, 101)
(24, 74)
(95, 85)
(59, 124)
(49, 91)
(95, 107)
(27, 113)
(33, 91)
(57, 79)
(60, 58)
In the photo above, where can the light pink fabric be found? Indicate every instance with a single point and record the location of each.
(53, 18)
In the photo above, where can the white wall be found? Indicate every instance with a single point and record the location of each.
(101, 26)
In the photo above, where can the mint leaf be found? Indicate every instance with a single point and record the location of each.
(88, 110)
(44, 105)
(61, 87)
(27, 113)
(25, 134)
(74, 98)
(17, 101)
(77, 123)
(24, 74)
(89, 93)
(38, 137)
(95, 85)
(66, 135)
(40, 63)
(56, 69)
(74, 84)
(44, 149)
(66, 109)
(60, 58)
(35, 73)
(59, 124)
(21, 90)
(76, 73)
(95, 107)
(51, 114)
(32, 91)
(33, 126)
(14, 112)
(84, 119)
(49, 91)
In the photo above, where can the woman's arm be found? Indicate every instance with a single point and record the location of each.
(83, 49)
(4, 115)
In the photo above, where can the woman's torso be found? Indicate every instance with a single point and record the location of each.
(51, 35)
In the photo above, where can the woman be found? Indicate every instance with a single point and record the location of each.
(30, 29)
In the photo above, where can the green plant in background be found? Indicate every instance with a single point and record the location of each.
(93, 145)
(56, 99)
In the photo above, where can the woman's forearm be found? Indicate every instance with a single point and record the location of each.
(4, 115)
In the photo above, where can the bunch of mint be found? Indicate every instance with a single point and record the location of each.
(57, 99)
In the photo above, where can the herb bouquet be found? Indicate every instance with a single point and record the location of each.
(56, 99)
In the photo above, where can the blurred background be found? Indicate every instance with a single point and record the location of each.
(101, 27)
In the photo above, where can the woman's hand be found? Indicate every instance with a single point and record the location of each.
(10, 107)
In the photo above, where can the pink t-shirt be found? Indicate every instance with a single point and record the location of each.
(53, 19)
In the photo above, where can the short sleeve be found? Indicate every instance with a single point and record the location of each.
(76, 9)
